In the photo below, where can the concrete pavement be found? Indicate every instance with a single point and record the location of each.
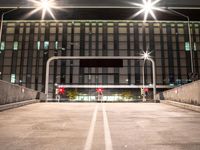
(99, 126)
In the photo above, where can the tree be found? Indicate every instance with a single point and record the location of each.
(72, 94)
(126, 95)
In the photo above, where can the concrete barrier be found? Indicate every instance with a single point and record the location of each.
(189, 94)
(182, 105)
(10, 93)
(16, 104)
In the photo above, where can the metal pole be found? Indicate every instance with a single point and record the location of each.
(154, 77)
(189, 35)
(1, 27)
(143, 80)
(47, 76)
(191, 47)
(2, 19)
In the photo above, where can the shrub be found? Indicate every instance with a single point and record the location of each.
(127, 95)
(72, 94)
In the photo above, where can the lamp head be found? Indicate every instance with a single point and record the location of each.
(147, 7)
(45, 6)
(146, 55)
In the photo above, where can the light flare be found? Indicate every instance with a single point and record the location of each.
(146, 55)
(147, 7)
(45, 6)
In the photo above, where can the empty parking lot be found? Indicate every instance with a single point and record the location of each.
(99, 126)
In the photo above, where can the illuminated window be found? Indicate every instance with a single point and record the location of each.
(38, 45)
(13, 78)
(187, 46)
(46, 44)
(196, 46)
(15, 47)
(2, 47)
(56, 45)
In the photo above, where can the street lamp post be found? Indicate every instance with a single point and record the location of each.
(44, 5)
(146, 56)
(148, 7)
(2, 19)
(189, 35)
(143, 80)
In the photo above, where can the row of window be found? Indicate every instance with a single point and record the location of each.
(89, 80)
(10, 29)
(27, 65)
(16, 45)
(56, 45)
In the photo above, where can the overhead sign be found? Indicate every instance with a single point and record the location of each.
(101, 63)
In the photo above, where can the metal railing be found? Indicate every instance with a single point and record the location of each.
(99, 57)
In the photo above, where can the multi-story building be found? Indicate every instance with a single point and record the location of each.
(99, 28)
(27, 45)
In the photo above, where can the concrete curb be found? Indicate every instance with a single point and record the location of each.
(17, 104)
(182, 105)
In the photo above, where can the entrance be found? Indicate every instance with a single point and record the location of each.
(103, 58)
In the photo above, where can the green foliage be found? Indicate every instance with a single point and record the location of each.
(126, 95)
(72, 94)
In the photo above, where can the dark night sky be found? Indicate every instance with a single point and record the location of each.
(101, 14)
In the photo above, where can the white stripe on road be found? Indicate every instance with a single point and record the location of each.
(88, 144)
(107, 137)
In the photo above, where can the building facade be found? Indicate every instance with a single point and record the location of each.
(27, 45)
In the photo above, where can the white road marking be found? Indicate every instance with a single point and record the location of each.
(107, 136)
(89, 141)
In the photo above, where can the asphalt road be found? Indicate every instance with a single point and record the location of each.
(99, 126)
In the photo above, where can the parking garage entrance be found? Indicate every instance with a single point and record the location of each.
(100, 61)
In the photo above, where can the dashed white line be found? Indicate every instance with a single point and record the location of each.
(89, 141)
(107, 136)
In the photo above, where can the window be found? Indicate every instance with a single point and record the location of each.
(38, 45)
(46, 44)
(187, 46)
(13, 78)
(2, 47)
(196, 46)
(15, 47)
(56, 45)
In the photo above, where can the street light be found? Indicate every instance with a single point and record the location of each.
(1, 27)
(2, 19)
(44, 5)
(146, 56)
(189, 34)
(149, 6)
